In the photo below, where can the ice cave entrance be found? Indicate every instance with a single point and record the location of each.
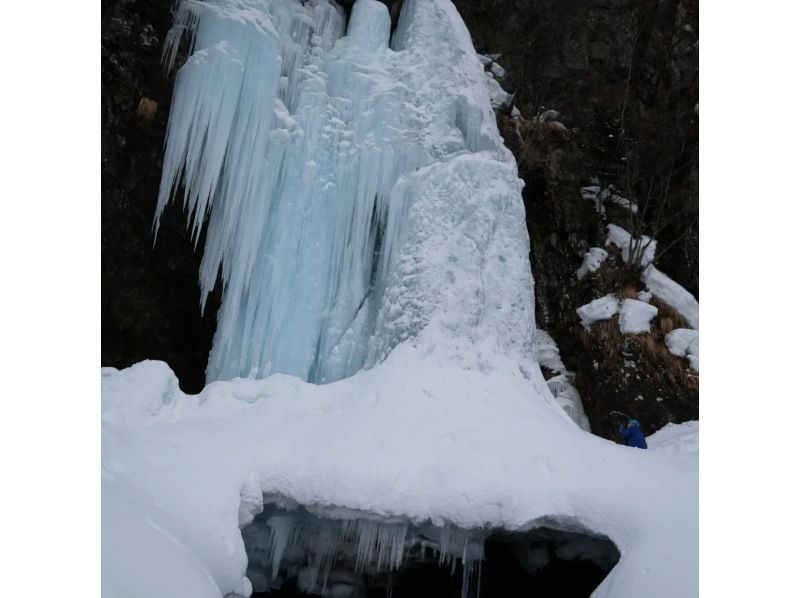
(296, 552)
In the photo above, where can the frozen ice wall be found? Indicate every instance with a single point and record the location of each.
(358, 195)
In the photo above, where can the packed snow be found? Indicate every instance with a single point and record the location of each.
(680, 441)
(635, 316)
(562, 384)
(685, 342)
(644, 247)
(592, 260)
(599, 309)
(417, 438)
(370, 231)
(669, 291)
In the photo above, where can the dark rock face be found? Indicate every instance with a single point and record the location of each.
(150, 296)
(623, 75)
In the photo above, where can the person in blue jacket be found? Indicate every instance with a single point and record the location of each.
(632, 434)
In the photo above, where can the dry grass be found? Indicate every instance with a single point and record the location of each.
(629, 292)
(667, 311)
(652, 345)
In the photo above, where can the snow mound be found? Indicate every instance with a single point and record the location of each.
(599, 309)
(685, 342)
(599, 195)
(635, 316)
(417, 438)
(669, 291)
(681, 441)
(592, 260)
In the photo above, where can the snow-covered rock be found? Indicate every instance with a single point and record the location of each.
(635, 316)
(685, 342)
(592, 260)
(680, 441)
(644, 245)
(599, 195)
(669, 291)
(599, 309)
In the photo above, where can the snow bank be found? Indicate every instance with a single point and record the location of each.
(681, 441)
(592, 260)
(635, 316)
(278, 114)
(669, 291)
(685, 342)
(417, 437)
(599, 309)
(621, 238)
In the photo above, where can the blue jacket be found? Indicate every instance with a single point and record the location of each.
(633, 436)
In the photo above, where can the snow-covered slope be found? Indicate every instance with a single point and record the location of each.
(417, 437)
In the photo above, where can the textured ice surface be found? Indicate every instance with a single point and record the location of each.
(320, 158)
(291, 541)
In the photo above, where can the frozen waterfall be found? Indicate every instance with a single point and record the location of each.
(357, 191)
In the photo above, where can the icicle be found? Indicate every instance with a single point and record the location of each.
(307, 152)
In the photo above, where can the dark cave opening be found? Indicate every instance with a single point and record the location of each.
(317, 556)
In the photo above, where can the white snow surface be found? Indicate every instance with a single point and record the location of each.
(635, 316)
(681, 441)
(417, 437)
(622, 239)
(592, 261)
(685, 342)
(562, 385)
(669, 291)
(599, 309)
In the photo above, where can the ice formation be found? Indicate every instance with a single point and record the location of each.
(318, 158)
(562, 384)
(283, 537)
(368, 225)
